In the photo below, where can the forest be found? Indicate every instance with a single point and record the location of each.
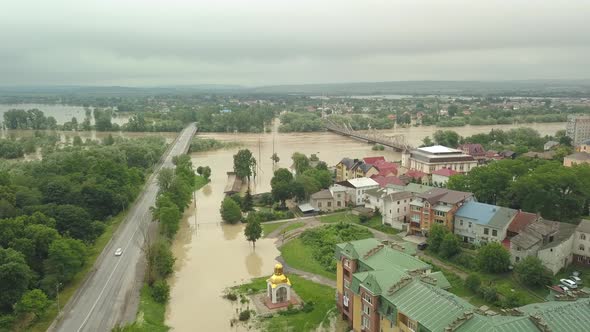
(53, 209)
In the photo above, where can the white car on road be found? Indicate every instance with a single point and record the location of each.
(118, 252)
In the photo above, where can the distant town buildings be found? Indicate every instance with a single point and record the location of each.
(576, 158)
(578, 128)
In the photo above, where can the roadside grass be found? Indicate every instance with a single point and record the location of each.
(299, 256)
(200, 182)
(150, 315)
(42, 324)
(321, 296)
(375, 222)
(293, 226)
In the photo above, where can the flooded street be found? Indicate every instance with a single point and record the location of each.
(212, 256)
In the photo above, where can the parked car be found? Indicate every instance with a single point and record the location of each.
(577, 280)
(563, 288)
(568, 283)
(118, 252)
(422, 246)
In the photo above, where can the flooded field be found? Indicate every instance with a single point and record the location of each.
(61, 113)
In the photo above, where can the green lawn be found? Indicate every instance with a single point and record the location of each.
(300, 256)
(150, 315)
(200, 182)
(321, 296)
(375, 222)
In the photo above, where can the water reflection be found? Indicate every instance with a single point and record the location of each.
(254, 264)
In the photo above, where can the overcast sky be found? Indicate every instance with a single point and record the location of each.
(263, 42)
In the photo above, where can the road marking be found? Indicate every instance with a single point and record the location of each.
(107, 282)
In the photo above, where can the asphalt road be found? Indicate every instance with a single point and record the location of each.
(105, 296)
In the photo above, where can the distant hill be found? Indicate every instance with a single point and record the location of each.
(506, 88)
(537, 88)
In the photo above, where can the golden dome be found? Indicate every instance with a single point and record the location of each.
(278, 277)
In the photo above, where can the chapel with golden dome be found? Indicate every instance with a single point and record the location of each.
(278, 286)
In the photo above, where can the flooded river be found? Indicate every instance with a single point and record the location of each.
(212, 256)
(61, 113)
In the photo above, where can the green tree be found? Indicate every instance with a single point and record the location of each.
(275, 158)
(281, 175)
(449, 246)
(247, 202)
(230, 211)
(108, 140)
(244, 164)
(15, 277)
(66, 257)
(165, 178)
(436, 235)
(281, 191)
(160, 260)
(253, 230)
(207, 172)
(532, 272)
(493, 258)
(33, 302)
(169, 220)
(161, 291)
(452, 109)
(300, 162)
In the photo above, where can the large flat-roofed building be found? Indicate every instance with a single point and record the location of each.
(578, 127)
(431, 158)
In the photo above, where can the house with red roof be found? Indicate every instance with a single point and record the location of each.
(440, 177)
(415, 176)
(373, 160)
(475, 150)
(386, 167)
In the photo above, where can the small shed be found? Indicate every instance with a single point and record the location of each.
(307, 209)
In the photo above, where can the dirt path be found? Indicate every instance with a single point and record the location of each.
(309, 276)
(462, 274)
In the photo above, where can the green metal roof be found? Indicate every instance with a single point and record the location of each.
(441, 280)
(432, 307)
(562, 316)
(479, 323)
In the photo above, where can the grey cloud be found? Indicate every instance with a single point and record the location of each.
(267, 42)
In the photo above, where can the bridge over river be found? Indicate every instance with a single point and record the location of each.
(396, 142)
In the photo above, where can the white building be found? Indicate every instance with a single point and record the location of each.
(431, 158)
(581, 246)
(578, 128)
(396, 209)
(356, 189)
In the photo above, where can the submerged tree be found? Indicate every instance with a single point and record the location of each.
(253, 230)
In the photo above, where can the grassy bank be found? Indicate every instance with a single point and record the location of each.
(269, 228)
(300, 256)
(150, 315)
(68, 291)
(374, 222)
(321, 296)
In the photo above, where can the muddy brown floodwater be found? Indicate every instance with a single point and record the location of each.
(212, 256)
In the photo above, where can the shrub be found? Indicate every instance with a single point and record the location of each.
(511, 300)
(493, 257)
(230, 211)
(473, 282)
(363, 218)
(532, 272)
(489, 293)
(231, 296)
(244, 315)
(161, 291)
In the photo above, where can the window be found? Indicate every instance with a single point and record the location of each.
(329, 204)
(439, 213)
(582, 236)
(346, 262)
(366, 323)
(404, 209)
(346, 284)
(397, 202)
(486, 231)
(367, 298)
(416, 218)
(517, 259)
(470, 224)
(404, 200)
(461, 222)
(494, 232)
(581, 247)
(397, 210)
(319, 204)
(338, 204)
(412, 325)
(366, 309)
(338, 195)
(415, 208)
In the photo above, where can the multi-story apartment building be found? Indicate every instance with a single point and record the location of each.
(356, 188)
(578, 127)
(437, 205)
(381, 288)
(581, 249)
(431, 158)
(348, 169)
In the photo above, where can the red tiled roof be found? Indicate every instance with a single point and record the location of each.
(445, 172)
(373, 160)
(475, 150)
(385, 180)
(415, 174)
(388, 172)
(521, 220)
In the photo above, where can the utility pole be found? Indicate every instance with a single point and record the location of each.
(57, 284)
